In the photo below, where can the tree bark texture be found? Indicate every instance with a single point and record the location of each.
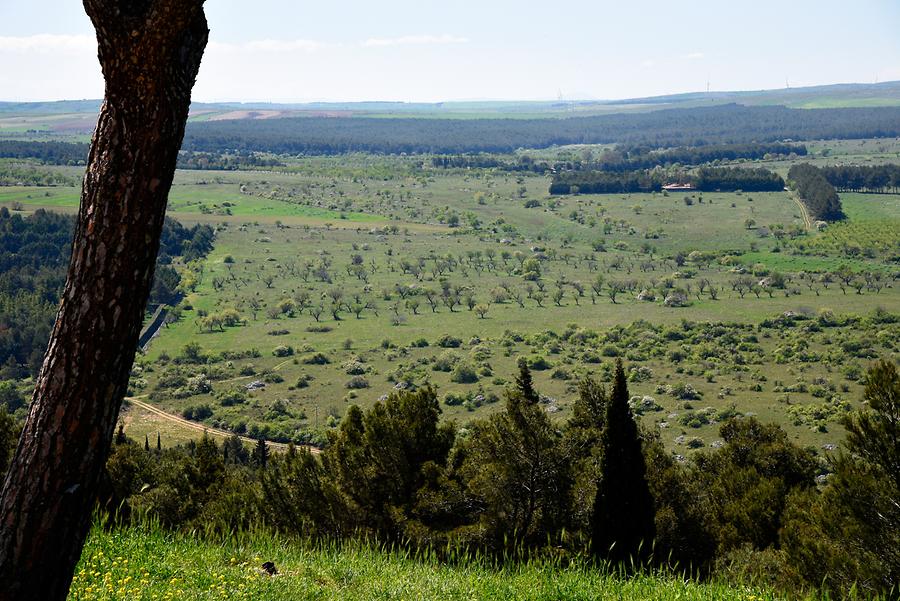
(149, 51)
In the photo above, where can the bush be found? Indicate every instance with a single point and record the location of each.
(283, 351)
(447, 341)
(561, 374)
(171, 378)
(356, 382)
(191, 353)
(641, 373)
(247, 370)
(539, 363)
(316, 359)
(454, 399)
(232, 397)
(198, 384)
(10, 396)
(355, 368)
(445, 362)
(464, 373)
(694, 419)
(197, 412)
(683, 391)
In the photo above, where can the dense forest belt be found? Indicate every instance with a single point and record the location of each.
(54, 153)
(872, 179)
(34, 254)
(624, 158)
(727, 124)
(707, 179)
(815, 192)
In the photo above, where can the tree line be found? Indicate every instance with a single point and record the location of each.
(53, 153)
(34, 256)
(726, 124)
(706, 179)
(858, 178)
(218, 161)
(75, 153)
(623, 158)
(489, 161)
(815, 192)
(24, 174)
(634, 157)
(517, 484)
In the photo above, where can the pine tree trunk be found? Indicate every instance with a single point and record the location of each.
(150, 52)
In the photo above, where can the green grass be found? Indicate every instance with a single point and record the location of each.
(58, 197)
(873, 221)
(834, 103)
(664, 223)
(637, 229)
(146, 564)
(785, 262)
(193, 202)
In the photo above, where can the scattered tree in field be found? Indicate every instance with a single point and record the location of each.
(558, 296)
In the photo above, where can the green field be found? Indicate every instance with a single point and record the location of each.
(393, 216)
(145, 564)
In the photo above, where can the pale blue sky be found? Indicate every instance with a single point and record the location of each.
(427, 50)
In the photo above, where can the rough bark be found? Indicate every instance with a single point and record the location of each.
(150, 52)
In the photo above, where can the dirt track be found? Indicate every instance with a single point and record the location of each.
(279, 446)
(807, 221)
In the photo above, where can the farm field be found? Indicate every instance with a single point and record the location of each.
(354, 301)
(347, 278)
(636, 349)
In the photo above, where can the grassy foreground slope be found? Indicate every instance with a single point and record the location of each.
(139, 564)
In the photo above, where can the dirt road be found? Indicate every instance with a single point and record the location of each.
(185, 423)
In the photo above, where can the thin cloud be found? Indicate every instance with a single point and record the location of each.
(269, 45)
(693, 56)
(413, 40)
(47, 42)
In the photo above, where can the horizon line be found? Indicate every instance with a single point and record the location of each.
(485, 100)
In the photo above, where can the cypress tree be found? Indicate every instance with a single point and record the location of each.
(158, 443)
(120, 434)
(623, 518)
(525, 385)
(147, 442)
(261, 453)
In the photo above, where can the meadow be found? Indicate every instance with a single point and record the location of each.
(148, 563)
(349, 277)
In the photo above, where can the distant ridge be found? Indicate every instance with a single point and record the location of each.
(887, 89)
(823, 96)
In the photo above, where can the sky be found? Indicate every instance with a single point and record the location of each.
(429, 51)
